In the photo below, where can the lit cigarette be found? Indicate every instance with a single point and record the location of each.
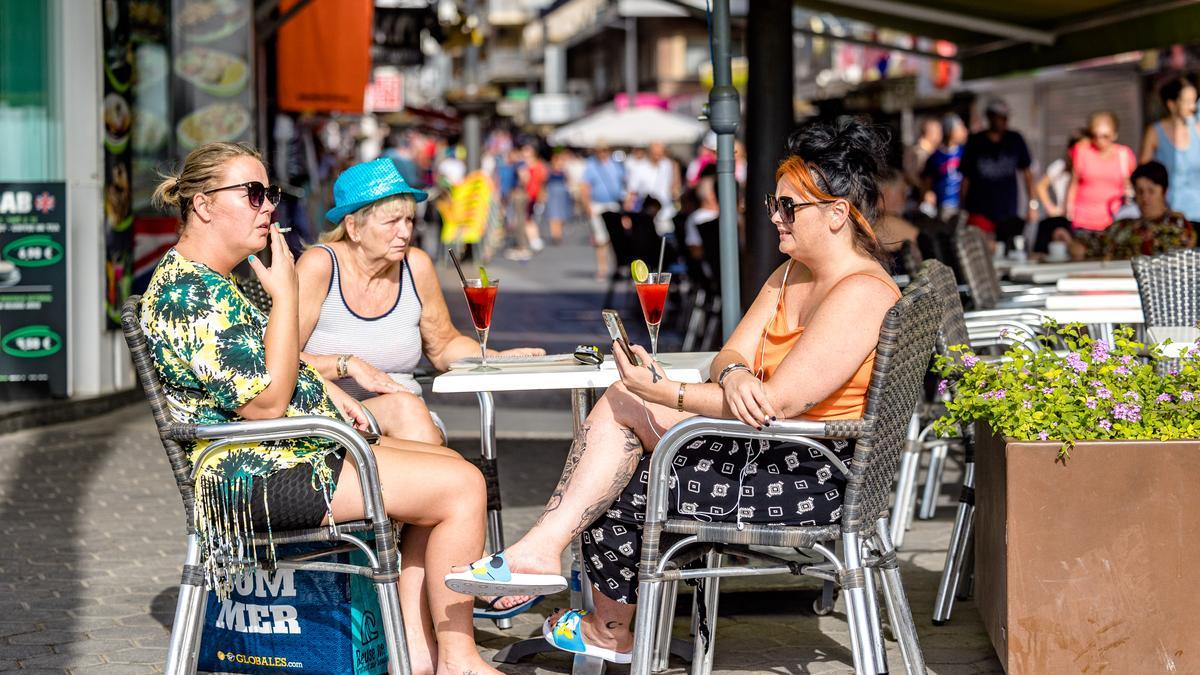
(281, 229)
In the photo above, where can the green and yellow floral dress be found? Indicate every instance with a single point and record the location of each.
(207, 342)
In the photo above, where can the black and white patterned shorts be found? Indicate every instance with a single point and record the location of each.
(717, 479)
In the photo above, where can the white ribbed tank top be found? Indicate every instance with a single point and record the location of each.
(390, 342)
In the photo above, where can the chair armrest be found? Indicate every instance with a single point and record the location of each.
(1032, 316)
(256, 431)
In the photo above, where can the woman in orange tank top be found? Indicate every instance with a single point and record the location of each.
(804, 349)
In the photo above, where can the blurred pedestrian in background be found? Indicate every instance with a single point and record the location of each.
(559, 203)
(1158, 229)
(917, 155)
(942, 176)
(1100, 174)
(1052, 193)
(1175, 143)
(602, 192)
(992, 160)
(654, 175)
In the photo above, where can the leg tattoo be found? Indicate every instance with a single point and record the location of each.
(631, 452)
(578, 447)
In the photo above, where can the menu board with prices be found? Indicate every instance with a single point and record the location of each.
(33, 289)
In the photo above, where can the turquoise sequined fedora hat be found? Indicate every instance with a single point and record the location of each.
(365, 183)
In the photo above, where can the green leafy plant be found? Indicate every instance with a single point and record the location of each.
(1091, 391)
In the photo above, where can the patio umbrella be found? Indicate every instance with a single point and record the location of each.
(631, 127)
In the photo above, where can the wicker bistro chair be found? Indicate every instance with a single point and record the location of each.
(384, 569)
(902, 356)
(1168, 284)
(987, 293)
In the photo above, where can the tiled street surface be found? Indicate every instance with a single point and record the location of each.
(93, 539)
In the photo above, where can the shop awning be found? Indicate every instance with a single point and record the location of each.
(997, 38)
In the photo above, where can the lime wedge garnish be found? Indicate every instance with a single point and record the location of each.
(640, 271)
(483, 277)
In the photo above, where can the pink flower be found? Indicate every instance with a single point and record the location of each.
(942, 387)
(1047, 390)
(1091, 403)
(1043, 436)
(970, 360)
(1100, 351)
(1103, 392)
(1186, 396)
(1076, 363)
(1027, 404)
(1105, 425)
(1164, 398)
(1121, 370)
(1126, 360)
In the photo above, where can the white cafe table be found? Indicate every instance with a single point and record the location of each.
(582, 380)
(1182, 337)
(1094, 300)
(1048, 273)
(1077, 283)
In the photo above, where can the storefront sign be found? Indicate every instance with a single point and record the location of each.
(325, 56)
(33, 286)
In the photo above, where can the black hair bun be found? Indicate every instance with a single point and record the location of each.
(847, 146)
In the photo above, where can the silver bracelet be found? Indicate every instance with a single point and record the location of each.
(729, 369)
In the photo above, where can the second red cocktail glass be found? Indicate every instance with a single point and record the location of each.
(652, 293)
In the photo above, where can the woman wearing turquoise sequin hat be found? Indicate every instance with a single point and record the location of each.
(371, 305)
(221, 359)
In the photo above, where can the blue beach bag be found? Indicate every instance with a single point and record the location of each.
(296, 621)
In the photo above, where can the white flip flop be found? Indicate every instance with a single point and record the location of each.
(491, 576)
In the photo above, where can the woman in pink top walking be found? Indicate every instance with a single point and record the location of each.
(1100, 179)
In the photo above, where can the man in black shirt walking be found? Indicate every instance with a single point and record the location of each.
(990, 164)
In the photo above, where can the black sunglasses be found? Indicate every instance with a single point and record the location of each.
(786, 207)
(255, 191)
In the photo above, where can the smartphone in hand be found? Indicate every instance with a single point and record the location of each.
(616, 330)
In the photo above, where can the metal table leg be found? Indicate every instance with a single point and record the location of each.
(581, 596)
(582, 401)
(487, 449)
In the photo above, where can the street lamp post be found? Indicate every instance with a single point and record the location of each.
(723, 116)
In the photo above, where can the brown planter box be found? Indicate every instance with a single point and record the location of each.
(1092, 566)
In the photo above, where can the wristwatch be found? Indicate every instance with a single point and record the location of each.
(1034, 204)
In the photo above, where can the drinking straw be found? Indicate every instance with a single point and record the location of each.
(662, 250)
(458, 267)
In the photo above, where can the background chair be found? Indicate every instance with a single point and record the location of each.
(902, 357)
(1169, 285)
(384, 569)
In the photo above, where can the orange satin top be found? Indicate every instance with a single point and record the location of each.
(848, 402)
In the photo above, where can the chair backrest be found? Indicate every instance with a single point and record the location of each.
(945, 286)
(976, 264)
(253, 289)
(1169, 285)
(906, 342)
(710, 240)
(619, 239)
(143, 362)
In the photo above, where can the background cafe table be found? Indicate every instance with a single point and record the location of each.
(582, 380)
(1048, 273)
(1182, 338)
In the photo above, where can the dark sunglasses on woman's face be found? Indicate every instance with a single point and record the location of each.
(255, 191)
(786, 207)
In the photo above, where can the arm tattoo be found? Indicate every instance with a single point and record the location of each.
(578, 447)
(631, 453)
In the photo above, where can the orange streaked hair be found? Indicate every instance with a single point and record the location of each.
(802, 173)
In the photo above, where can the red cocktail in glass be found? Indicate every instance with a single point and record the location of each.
(481, 300)
(652, 293)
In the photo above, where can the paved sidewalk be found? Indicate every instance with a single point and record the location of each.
(93, 540)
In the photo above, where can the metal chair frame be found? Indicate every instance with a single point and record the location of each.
(383, 556)
(902, 355)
